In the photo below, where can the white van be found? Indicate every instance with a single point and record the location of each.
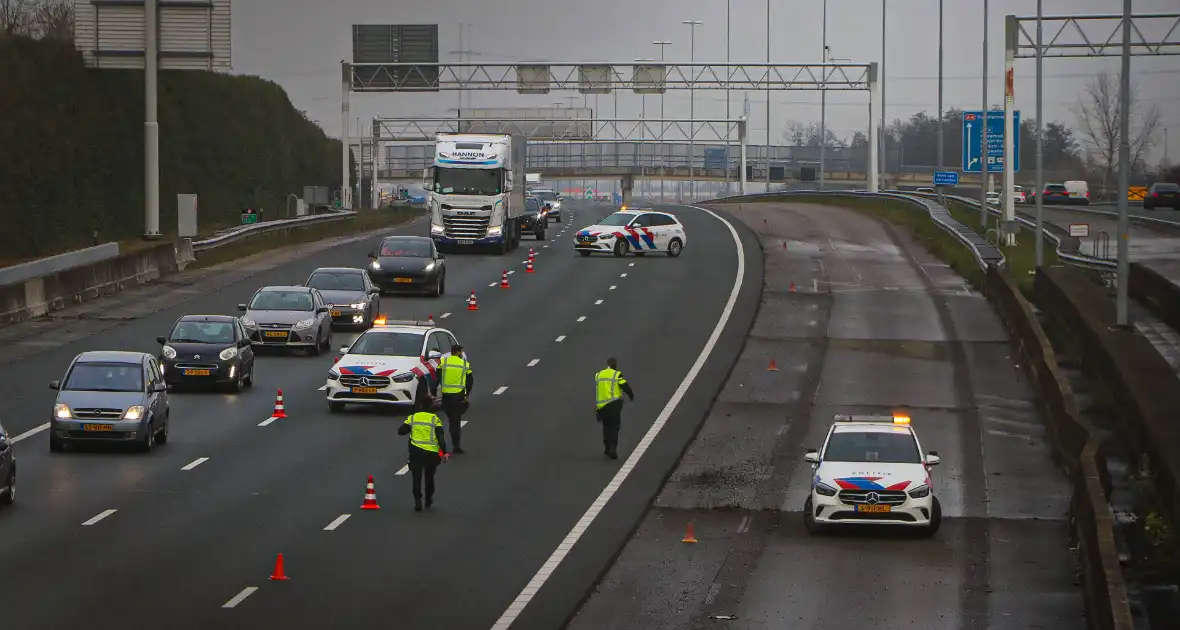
(1079, 192)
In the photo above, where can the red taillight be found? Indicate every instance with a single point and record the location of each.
(1087, 194)
(1155, 194)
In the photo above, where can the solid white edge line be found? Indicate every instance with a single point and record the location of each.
(267, 421)
(237, 599)
(101, 515)
(534, 586)
(533, 362)
(560, 339)
(336, 522)
(30, 433)
(501, 390)
(196, 462)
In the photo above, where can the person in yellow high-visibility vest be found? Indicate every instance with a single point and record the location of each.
(457, 380)
(428, 449)
(609, 387)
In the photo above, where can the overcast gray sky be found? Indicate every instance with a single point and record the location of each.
(299, 44)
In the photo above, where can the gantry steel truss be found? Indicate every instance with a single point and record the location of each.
(601, 130)
(603, 78)
(1097, 35)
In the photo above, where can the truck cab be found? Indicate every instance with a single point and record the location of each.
(477, 190)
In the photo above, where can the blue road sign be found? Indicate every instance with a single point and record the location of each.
(946, 178)
(715, 157)
(995, 141)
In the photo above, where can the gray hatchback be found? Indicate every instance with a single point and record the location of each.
(112, 397)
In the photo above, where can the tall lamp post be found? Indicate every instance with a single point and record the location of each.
(881, 79)
(941, 124)
(661, 44)
(692, 47)
(767, 97)
(823, 100)
(643, 121)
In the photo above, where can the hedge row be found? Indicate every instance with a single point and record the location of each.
(71, 148)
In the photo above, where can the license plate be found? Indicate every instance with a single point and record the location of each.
(877, 509)
(335, 313)
(403, 280)
(364, 390)
(466, 241)
(97, 427)
(196, 372)
(276, 333)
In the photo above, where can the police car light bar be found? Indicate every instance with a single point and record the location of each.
(381, 321)
(894, 419)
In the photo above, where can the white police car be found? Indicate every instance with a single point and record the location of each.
(392, 363)
(871, 470)
(637, 230)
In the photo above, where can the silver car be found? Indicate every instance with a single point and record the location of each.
(352, 298)
(288, 317)
(111, 397)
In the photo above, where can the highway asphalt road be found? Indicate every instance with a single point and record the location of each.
(1146, 242)
(874, 324)
(189, 542)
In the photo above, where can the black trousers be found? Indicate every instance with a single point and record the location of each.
(453, 405)
(611, 417)
(423, 461)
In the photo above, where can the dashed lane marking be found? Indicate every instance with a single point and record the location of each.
(622, 275)
(444, 316)
(499, 391)
(560, 339)
(196, 462)
(534, 362)
(493, 284)
(101, 515)
(403, 470)
(511, 272)
(612, 287)
(582, 318)
(240, 597)
(337, 522)
(597, 302)
(30, 433)
(631, 265)
(267, 422)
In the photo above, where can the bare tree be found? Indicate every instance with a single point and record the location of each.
(54, 19)
(1098, 116)
(15, 16)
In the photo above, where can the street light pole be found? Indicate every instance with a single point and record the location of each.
(1040, 148)
(767, 148)
(728, 70)
(940, 121)
(663, 158)
(984, 167)
(823, 101)
(881, 79)
(1124, 262)
(692, 43)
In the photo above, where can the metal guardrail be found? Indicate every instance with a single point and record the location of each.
(234, 234)
(54, 264)
(985, 252)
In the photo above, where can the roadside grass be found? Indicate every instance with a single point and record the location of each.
(364, 221)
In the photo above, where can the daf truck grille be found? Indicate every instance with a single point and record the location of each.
(466, 227)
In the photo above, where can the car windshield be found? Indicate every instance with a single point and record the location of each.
(547, 195)
(617, 218)
(389, 344)
(874, 446)
(203, 332)
(405, 248)
(1167, 187)
(466, 181)
(281, 301)
(337, 281)
(105, 377)
(532, 204)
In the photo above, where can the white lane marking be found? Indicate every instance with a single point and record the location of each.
(622, 275)
(631, 265)
(444, 316)
(814, 285)
(493, 284)
(237, 599)
(511, 272)
(518, 605)
(524, 262)
(196, 462)
(403, 470)
(534, 362)
(560, 339)
(612, 287)
(267, 421)
(544, 247)
(597, 302)
(582, 318)
(30, 433)
(337, 522)
(462, 423)
(500, 390)
(744, 526)
(101, 515)
(321, 388)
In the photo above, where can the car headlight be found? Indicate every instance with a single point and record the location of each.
(605, 237)
(375, 265)
(404, 378)
(247, 322)
(333, 374)
(495, 231)
(428, 267)
(921, 492)
(306, 323)
(169, 352)
(228, 354)
(436, 228)
(824, 489)
(134, 412)
(62, 411)
(357, 305)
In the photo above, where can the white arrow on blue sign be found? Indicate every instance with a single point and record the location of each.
(995, 141)
(946, 178)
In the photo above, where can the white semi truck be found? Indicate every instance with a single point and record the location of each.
(477, 191)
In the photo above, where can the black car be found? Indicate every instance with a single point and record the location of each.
(7, 469)
(1053, 194)
(350, 294)
(551, 199)
(408, 263)
(535, 219)
(1162, 194)
(207, 350)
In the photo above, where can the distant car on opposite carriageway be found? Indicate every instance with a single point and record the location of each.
(637, 230)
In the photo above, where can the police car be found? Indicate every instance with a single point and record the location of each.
(871, 470)
(638, 230)
(392, 363)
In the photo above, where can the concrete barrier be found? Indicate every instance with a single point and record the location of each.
(42, 295)
(1160, 295)
(1077, 445)
(55, 264)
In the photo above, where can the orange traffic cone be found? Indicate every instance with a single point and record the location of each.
(278, 574)
(689, 534)
(471, 305)
(504, 280)
(528, 267)
(370, 497)
(430, 318)
(532, 254)
(792, 287)
(279, 411)
(773, 366)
